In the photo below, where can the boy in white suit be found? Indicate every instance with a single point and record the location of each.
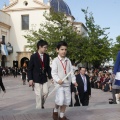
(61, 66)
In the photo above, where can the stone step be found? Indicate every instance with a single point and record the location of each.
(32, 110)
(98, 112)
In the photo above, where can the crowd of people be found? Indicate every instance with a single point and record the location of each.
(13, 71)
(6, 71)
(101, 80)
(105, 80)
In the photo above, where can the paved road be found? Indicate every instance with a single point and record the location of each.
(19, 104)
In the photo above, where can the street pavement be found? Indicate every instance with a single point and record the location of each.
(18, 103)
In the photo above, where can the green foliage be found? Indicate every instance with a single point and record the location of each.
(116, 48)
(94, 48)
(98, 49)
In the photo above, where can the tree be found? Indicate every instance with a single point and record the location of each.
(94, 49)
(98, 49)
(116, 48)
(57, 28)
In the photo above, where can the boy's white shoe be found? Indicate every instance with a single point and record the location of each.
(118, 101)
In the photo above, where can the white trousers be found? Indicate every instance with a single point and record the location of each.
(41, 92)
(117, 98)
(63, 96)
(117, 76)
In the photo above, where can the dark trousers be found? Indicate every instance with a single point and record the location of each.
(1, 84)
(83, 99)
(71, 104)
(15, 75)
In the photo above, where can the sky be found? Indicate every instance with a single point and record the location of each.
(105, 13)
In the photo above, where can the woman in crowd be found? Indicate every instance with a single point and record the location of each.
(105, 86)
(24, 76)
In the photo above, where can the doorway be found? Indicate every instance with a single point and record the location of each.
(24, 62)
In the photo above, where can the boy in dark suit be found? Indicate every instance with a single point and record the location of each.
(84, 88)
(38, 70)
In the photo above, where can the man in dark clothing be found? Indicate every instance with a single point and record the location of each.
(15, 72)
(84, 88)
(1, 83)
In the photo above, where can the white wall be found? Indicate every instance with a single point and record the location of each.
(4, 30)
(84, 32)
(4, 18)
(81, 29)
(70, 18)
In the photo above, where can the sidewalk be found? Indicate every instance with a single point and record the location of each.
(19, 104)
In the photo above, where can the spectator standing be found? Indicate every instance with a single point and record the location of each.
(1, 83)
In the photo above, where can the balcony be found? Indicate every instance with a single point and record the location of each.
(9, 48)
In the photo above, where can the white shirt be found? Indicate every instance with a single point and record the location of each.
(41, 56)
(56, 71)
(84, 81)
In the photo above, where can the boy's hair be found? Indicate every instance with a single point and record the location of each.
(61, 43)
(81, 68)
(41, 43)
(75, 71)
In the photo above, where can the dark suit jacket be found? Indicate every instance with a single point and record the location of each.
(1, 71)
(15, 71)
(81, 85)
(35, 69)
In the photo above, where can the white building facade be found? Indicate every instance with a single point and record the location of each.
(16, 20)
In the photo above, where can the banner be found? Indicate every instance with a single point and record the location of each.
(4, 50)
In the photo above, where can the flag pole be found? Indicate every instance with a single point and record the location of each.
(57, 86)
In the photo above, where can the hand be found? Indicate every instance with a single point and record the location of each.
(76, 93)
(31, 83)
(60, 82)
(52, 81)
(75, 84)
